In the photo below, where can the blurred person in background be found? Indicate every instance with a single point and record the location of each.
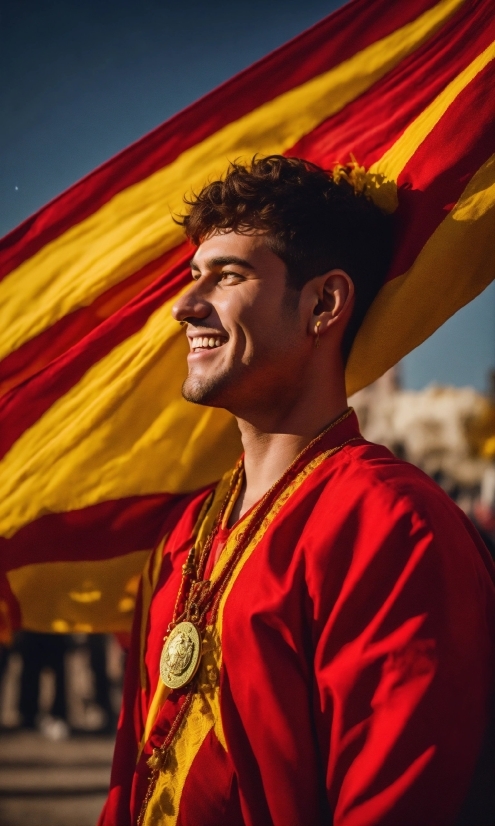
(40, 651)
(102, 687)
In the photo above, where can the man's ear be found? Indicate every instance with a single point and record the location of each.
(333, 300)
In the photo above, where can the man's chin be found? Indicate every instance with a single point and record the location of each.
(201, 391)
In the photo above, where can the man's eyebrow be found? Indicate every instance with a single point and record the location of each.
(221, 260)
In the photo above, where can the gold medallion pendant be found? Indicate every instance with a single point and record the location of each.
(180, 655)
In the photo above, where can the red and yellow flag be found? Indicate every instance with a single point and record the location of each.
(96, 443)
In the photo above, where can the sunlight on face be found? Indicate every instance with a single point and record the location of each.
(243, 325)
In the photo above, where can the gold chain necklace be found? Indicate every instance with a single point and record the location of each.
(198, 597)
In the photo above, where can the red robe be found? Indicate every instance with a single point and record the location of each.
(355, 649)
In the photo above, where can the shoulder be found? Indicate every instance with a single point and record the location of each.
(369, 477)
(381, 526)
(369, 499)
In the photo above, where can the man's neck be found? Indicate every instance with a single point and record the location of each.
(270, 450)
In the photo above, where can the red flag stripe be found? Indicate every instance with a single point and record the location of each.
(433, 179)
(39, 351)
(370, 125)
(103, 531)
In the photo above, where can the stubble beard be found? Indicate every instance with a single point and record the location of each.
(208, 391)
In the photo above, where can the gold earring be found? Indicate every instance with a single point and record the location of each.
(317, 333)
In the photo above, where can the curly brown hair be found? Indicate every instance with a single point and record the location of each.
(314, 221)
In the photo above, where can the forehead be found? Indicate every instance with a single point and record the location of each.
(252, 248)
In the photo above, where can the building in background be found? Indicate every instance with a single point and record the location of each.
(449, 432)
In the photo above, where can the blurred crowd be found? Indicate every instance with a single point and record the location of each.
(61, 684)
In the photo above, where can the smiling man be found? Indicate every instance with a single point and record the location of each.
(318, 644)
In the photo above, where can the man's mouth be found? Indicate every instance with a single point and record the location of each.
(201, 342)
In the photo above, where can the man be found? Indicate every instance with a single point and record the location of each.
(327, 611)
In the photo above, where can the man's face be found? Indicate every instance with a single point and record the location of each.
(246, 333)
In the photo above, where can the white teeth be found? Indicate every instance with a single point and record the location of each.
(204, 343)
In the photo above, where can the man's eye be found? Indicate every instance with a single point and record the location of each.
(228, 276)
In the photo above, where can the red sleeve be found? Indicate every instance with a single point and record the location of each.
(404, 658)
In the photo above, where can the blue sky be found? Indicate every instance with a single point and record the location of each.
(82, 80)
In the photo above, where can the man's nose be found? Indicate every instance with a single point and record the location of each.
(191, 304)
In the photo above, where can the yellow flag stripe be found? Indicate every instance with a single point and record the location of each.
(136, 226)
(85, 597)
(452, 268)
(124, 426)
(394, 160)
